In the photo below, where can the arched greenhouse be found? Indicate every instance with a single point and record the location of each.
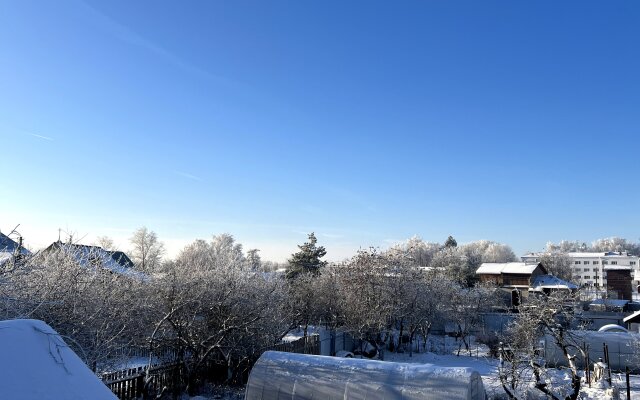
(292, 376)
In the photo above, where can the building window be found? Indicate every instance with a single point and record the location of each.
(577, 262)
(605, 262)
(632, 263)
(595, 270)
(587, 277)
(614, 263)
(586, 269)
(586, 262)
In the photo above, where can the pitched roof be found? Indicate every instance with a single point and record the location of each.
(92, 256)
(633, 318)
(551, 282)
(585, 254)
(506, 268)
(9, 246)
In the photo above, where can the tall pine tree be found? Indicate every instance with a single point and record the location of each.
(307, 260)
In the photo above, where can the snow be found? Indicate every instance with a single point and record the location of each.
(632, 318)
(550, 282)
(617, 268)
(92, 256)
(37, 364)
(5, 256)
(506, 268)
(309, 376)
(488, 368)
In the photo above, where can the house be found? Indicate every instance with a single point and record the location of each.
(94, 257)
(549, 283)
(513, 277)
(10, 250)
(590, 268)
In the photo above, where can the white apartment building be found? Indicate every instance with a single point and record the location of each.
(590, 269)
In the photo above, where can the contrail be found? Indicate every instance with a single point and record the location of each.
(40, 136)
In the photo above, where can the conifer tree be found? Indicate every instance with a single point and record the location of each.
(307, 260)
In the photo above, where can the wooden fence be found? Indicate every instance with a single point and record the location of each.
(129, 384)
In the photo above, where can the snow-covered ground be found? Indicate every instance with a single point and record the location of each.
(442, 353)
(445, 356)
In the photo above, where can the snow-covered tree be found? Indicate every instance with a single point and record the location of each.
(210, 305)
(307, 259)
(419, 251)
(253, 259)
(541, 317)
(94, 308)
(558, 264)
(146, 251)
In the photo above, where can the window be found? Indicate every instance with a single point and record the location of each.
(632, 263)
(577, 262)
(614, 263)
(587, 277)
(586, 262)
(595, 270)
(605, 262)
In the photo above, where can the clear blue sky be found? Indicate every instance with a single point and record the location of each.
(366, 122)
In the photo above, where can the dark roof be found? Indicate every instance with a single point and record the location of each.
(8, 245)
(122, 259)
(83, 253)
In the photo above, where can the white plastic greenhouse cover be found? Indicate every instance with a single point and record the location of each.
(622, 347)
(278, 375)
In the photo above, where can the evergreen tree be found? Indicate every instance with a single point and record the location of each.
(307, 259)
(451, 242)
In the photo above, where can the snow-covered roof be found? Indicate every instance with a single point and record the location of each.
(607, 254)
(95, 256)
(610, 302)
(506, 268)
(551, 282)
(37, 364)
(585, 254)
(635, 317)
(9, 246)
(617, 267)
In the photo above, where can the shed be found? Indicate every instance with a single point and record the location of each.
(292, 376)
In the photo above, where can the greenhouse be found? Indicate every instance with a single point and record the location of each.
(299, 376)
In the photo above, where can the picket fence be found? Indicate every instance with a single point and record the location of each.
(129, 384)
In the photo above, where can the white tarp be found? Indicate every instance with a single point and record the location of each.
(35, 363)
(292, 376)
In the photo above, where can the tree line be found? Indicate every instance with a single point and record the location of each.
(216, 301)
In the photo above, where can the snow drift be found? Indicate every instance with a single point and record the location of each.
(298, 376)
(35, 363)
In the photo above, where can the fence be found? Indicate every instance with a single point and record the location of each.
(304, 345)
(129, 384)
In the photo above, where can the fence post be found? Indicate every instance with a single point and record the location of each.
(626, 373)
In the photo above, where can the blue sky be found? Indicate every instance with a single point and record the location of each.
(366, 122)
